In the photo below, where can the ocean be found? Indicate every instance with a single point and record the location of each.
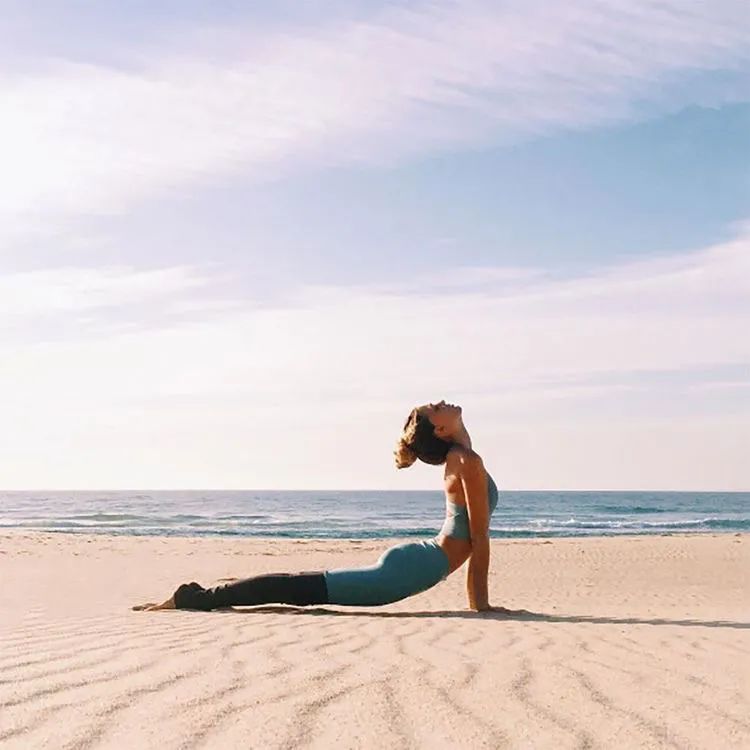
(368, 514)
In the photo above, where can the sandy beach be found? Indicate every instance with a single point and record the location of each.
(636, 642)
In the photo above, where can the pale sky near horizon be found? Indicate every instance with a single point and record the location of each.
(239, 241)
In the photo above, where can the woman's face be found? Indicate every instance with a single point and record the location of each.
(446, 418)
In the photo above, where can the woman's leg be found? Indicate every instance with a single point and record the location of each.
(401, 571)
(301, 589)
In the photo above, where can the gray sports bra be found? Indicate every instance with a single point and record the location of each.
(457, 516)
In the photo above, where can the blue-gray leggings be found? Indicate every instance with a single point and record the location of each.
(401, 571)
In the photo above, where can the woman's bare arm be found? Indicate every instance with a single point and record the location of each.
(474, 480)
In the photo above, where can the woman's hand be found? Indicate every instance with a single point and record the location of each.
(501, 611)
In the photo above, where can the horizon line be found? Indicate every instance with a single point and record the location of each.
(350, 489)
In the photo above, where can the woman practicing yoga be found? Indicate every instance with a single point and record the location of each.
(435, 434)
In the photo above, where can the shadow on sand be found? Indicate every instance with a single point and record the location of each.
(521, 616)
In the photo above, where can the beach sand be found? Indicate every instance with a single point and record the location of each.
(639, 642)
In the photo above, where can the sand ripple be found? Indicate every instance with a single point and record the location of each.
(655, 654)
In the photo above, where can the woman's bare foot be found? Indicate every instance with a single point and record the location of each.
(153, 607)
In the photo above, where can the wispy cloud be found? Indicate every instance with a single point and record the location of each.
(168, 375)
(86, 138)
(73, 303)
(501, 325)
(63, 290)
(338, 366)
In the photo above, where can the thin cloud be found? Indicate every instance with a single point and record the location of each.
(287, 395)
(61, 290)
(688, 311)
(83, 138)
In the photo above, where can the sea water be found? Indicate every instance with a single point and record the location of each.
(368, 514)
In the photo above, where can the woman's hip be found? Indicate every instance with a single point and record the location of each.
(402, 570)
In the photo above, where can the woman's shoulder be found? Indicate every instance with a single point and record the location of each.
(464, 459)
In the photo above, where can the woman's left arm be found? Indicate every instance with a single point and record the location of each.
(474, 480)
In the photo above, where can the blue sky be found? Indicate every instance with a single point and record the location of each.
(239, 241)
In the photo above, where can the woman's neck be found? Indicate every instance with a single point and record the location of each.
(462, 438)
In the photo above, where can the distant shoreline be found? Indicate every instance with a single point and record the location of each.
(369, 514)
(9, 532)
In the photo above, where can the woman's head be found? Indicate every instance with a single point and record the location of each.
(427, 434)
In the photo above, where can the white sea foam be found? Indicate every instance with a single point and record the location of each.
(369, 514)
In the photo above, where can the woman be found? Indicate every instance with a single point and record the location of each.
(434, 434)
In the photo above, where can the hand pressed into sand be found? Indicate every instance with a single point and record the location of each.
(489, 609)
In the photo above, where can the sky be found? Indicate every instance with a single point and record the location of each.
(240, 241)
